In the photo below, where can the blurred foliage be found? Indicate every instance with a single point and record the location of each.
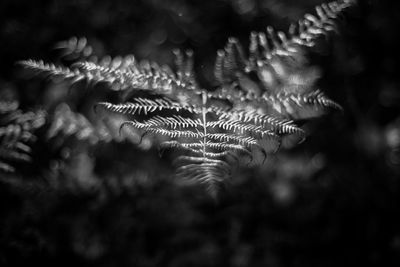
(331, 201)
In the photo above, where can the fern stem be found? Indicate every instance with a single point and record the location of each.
(204, 111)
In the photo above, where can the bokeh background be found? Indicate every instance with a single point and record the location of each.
(331, 201)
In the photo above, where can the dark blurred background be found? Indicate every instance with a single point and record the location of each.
(331, 201)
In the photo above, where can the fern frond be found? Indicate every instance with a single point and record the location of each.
(126, 74)
(67, 123)
(215, 134)
(17, 134)
(303, 33)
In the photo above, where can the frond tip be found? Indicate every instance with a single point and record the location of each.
(210, 173)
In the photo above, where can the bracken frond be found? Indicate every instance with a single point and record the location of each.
(211, 136)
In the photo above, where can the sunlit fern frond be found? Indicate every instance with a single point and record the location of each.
(275, 79)
(241, 123)
(278, 59)
(289, 103)
(17, 134)
(208, 135)
(272, 44)
(126, 74)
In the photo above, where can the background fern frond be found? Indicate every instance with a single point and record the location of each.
(17, 134)
(282, 79)
(124, 73)
(67, 123)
